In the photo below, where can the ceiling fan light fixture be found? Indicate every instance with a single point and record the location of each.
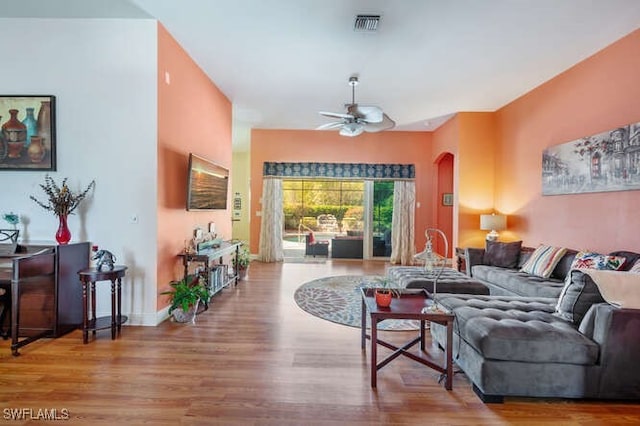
(351, 129)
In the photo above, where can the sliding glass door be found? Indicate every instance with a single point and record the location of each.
(338, 210)
(381, 215)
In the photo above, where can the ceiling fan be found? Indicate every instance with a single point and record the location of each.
(358, 118)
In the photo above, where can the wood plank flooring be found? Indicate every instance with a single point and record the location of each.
(256, 358)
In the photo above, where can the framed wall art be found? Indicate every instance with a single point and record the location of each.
(27, 132)
(607, 161)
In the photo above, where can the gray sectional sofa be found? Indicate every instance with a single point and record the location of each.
(526, 339)
(509, 281)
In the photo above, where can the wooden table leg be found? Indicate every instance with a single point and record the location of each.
(363, 325)
(119, 318)
(113, 309)
(92, 294)
(422, 335)
(449, 381)
(85, 314)
(374, 351)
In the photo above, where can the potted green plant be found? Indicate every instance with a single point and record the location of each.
(241, 261)
(185, 297)
(385, 291)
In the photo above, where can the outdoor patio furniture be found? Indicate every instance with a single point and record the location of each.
(315, 247)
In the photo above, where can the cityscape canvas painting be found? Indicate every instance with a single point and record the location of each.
(608, 161)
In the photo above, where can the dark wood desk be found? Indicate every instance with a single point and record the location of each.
(410, 305)
(88, 278)
(45, 293)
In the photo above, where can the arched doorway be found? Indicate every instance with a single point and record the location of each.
(444, 200)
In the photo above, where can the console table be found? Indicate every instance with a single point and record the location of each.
(216, 271)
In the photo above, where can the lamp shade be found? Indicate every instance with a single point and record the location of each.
(493, 222)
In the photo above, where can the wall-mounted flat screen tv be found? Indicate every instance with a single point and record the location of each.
(207, 186)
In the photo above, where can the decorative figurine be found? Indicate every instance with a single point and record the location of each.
(104, 257)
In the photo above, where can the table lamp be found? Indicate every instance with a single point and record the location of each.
(493, 222)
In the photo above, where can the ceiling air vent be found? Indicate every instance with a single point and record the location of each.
(366, 23)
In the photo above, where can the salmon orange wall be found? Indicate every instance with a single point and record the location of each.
(328, 146)
(193, 116)
(596, 95)
(471, 137)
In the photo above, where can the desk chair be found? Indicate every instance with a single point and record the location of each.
(8, 247)
(8, 241)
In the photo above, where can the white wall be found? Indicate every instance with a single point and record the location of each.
(103, 74)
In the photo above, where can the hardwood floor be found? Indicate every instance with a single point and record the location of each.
(256, 358)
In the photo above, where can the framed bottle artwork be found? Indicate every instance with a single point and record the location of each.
(27, 132)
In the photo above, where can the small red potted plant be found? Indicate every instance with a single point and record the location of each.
(385, 291)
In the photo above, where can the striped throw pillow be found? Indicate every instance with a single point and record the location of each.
(543, 260)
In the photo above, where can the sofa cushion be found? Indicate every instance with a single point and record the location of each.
(520, 329)
(516, 282)
(564, 265)
(592, 260)
(630, 256)
(543, 260)
(504, 255)
(578, 294)
(449, 280)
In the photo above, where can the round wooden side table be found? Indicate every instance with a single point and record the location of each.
(88, 278)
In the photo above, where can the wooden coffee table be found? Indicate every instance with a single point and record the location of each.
(410, 305)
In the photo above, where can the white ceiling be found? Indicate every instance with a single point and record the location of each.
(282, 61)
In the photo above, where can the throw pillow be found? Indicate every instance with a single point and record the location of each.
(543, 260)
(577, 296)
(591, 260)
(312, 239)
(503, 255)
(635, 269)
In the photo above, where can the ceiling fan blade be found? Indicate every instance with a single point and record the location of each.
(385, 124)
(337, 115)
(371, 114)
(329, 126)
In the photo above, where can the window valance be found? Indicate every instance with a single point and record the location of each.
(340, 170)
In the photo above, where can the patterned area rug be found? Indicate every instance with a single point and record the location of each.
(338, 299)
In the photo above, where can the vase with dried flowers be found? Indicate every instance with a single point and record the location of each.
(62, 202)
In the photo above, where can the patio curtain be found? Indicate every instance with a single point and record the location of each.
(402, 222)
(270, 245)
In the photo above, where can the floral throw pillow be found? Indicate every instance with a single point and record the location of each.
(635, 269)
(591, 260)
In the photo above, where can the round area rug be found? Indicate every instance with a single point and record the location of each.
(338, 299)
